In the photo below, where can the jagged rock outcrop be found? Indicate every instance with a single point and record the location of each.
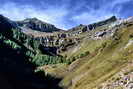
(101, 23)
(85, 28)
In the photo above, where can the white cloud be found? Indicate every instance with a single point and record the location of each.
(92, 16)
(119, 1)
(104, 12)
(50, 15)
(56, 14)
(87, 18)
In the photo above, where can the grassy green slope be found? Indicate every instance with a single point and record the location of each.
(109, 59)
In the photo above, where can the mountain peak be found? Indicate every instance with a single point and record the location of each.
(31, 19)
(35, 20)
(38, 25)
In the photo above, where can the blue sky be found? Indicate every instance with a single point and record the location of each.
(66, 14)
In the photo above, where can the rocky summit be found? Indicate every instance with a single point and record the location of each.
(38, 25)
(38, 55)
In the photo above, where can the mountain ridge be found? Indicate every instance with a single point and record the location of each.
(81, 58)
(29, 21)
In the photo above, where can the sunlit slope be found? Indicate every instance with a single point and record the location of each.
(106, 58)
(87, 48)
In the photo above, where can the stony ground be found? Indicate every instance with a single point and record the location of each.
(122, 80)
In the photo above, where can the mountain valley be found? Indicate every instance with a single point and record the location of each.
(38, 55)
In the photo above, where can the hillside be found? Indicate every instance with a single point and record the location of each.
(99, 56)
(37, 55)
(18, 64)
(105, 60)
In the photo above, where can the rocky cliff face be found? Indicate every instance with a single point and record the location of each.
(86, 28)
(61, 40)
(50, 36)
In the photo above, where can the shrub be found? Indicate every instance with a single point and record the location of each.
(12, 44)
(131, 36)
(84, 54)
(46, 59)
